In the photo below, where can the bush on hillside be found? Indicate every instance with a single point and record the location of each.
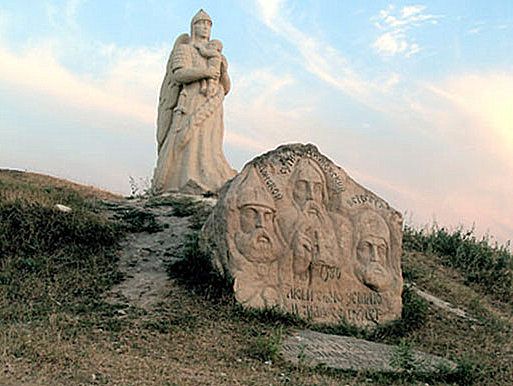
(49, 259)
(489, 266)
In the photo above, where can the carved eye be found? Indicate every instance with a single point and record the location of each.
(268, 216)
(317, 188)
(248, 217)
(365, 248)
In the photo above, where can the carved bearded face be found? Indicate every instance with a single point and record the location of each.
(256, 241)
(372, 255)
(201, 29)
(308, 190)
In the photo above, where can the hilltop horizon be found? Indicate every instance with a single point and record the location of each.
(412, 99)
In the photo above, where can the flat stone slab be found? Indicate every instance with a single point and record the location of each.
(310, 348)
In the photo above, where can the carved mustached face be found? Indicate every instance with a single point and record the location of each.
(308, 190)
(201, 29)
(372, 253)
(256, 241)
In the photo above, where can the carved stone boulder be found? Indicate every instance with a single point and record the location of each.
(295, 232)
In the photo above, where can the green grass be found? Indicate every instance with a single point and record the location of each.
(196, 272)
(266, 347)
(483, 264)
(185, 206)
(138, 220)
(50, 260)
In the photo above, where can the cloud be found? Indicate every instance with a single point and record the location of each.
(260, 104)
(126, 88)
(270, 9)
(485, 99)
(318, 57)
(329, 65)
(474, 31)
(64, 16)
(391, 43)
(395, 25)
(471, 118)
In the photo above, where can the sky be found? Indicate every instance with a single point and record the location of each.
(414, 100)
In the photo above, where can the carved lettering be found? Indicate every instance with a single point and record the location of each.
(362, 199)
(328, 273)
(363, 314)
(271, 185)
(287, 163)
(362, 298)
(304, 294)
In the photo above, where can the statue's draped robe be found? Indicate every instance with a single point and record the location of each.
(192, 150)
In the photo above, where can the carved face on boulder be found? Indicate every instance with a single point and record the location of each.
(257, 238)
(372, 251)
(308, 188)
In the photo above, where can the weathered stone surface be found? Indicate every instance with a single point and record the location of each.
(294, 231)
(190, 115)
(309, 348)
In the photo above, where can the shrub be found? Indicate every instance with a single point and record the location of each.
(53, 260)
(195, 270)
(489, 266)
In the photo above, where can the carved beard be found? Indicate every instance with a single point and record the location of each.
(376, 277)
(257, 246)
(313, 210)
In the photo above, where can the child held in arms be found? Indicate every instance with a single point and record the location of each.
(211, 51)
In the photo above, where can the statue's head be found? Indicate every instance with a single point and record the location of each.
(309, 187)
(372, 250)
(201, 25)
(256, 239)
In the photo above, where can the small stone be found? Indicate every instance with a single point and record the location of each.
(63, 208)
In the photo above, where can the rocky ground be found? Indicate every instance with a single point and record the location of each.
(158, 232)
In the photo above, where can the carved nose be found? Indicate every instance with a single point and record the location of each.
(259, 221)
(309, 193)
(374, 254)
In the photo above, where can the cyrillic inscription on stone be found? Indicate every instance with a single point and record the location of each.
(294, 231)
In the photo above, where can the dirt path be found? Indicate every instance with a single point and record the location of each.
(144, 255)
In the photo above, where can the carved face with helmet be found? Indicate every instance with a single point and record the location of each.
(201, 24)
(256, 239)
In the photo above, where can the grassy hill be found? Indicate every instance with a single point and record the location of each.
(57, 329)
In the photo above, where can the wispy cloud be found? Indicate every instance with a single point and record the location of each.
(124, 89)
(64, 15)
(471, 116)
(487, 100)
(318, 57)
(260, 104)
(395, 25)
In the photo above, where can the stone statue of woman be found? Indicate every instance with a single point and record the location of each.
(190, 115)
